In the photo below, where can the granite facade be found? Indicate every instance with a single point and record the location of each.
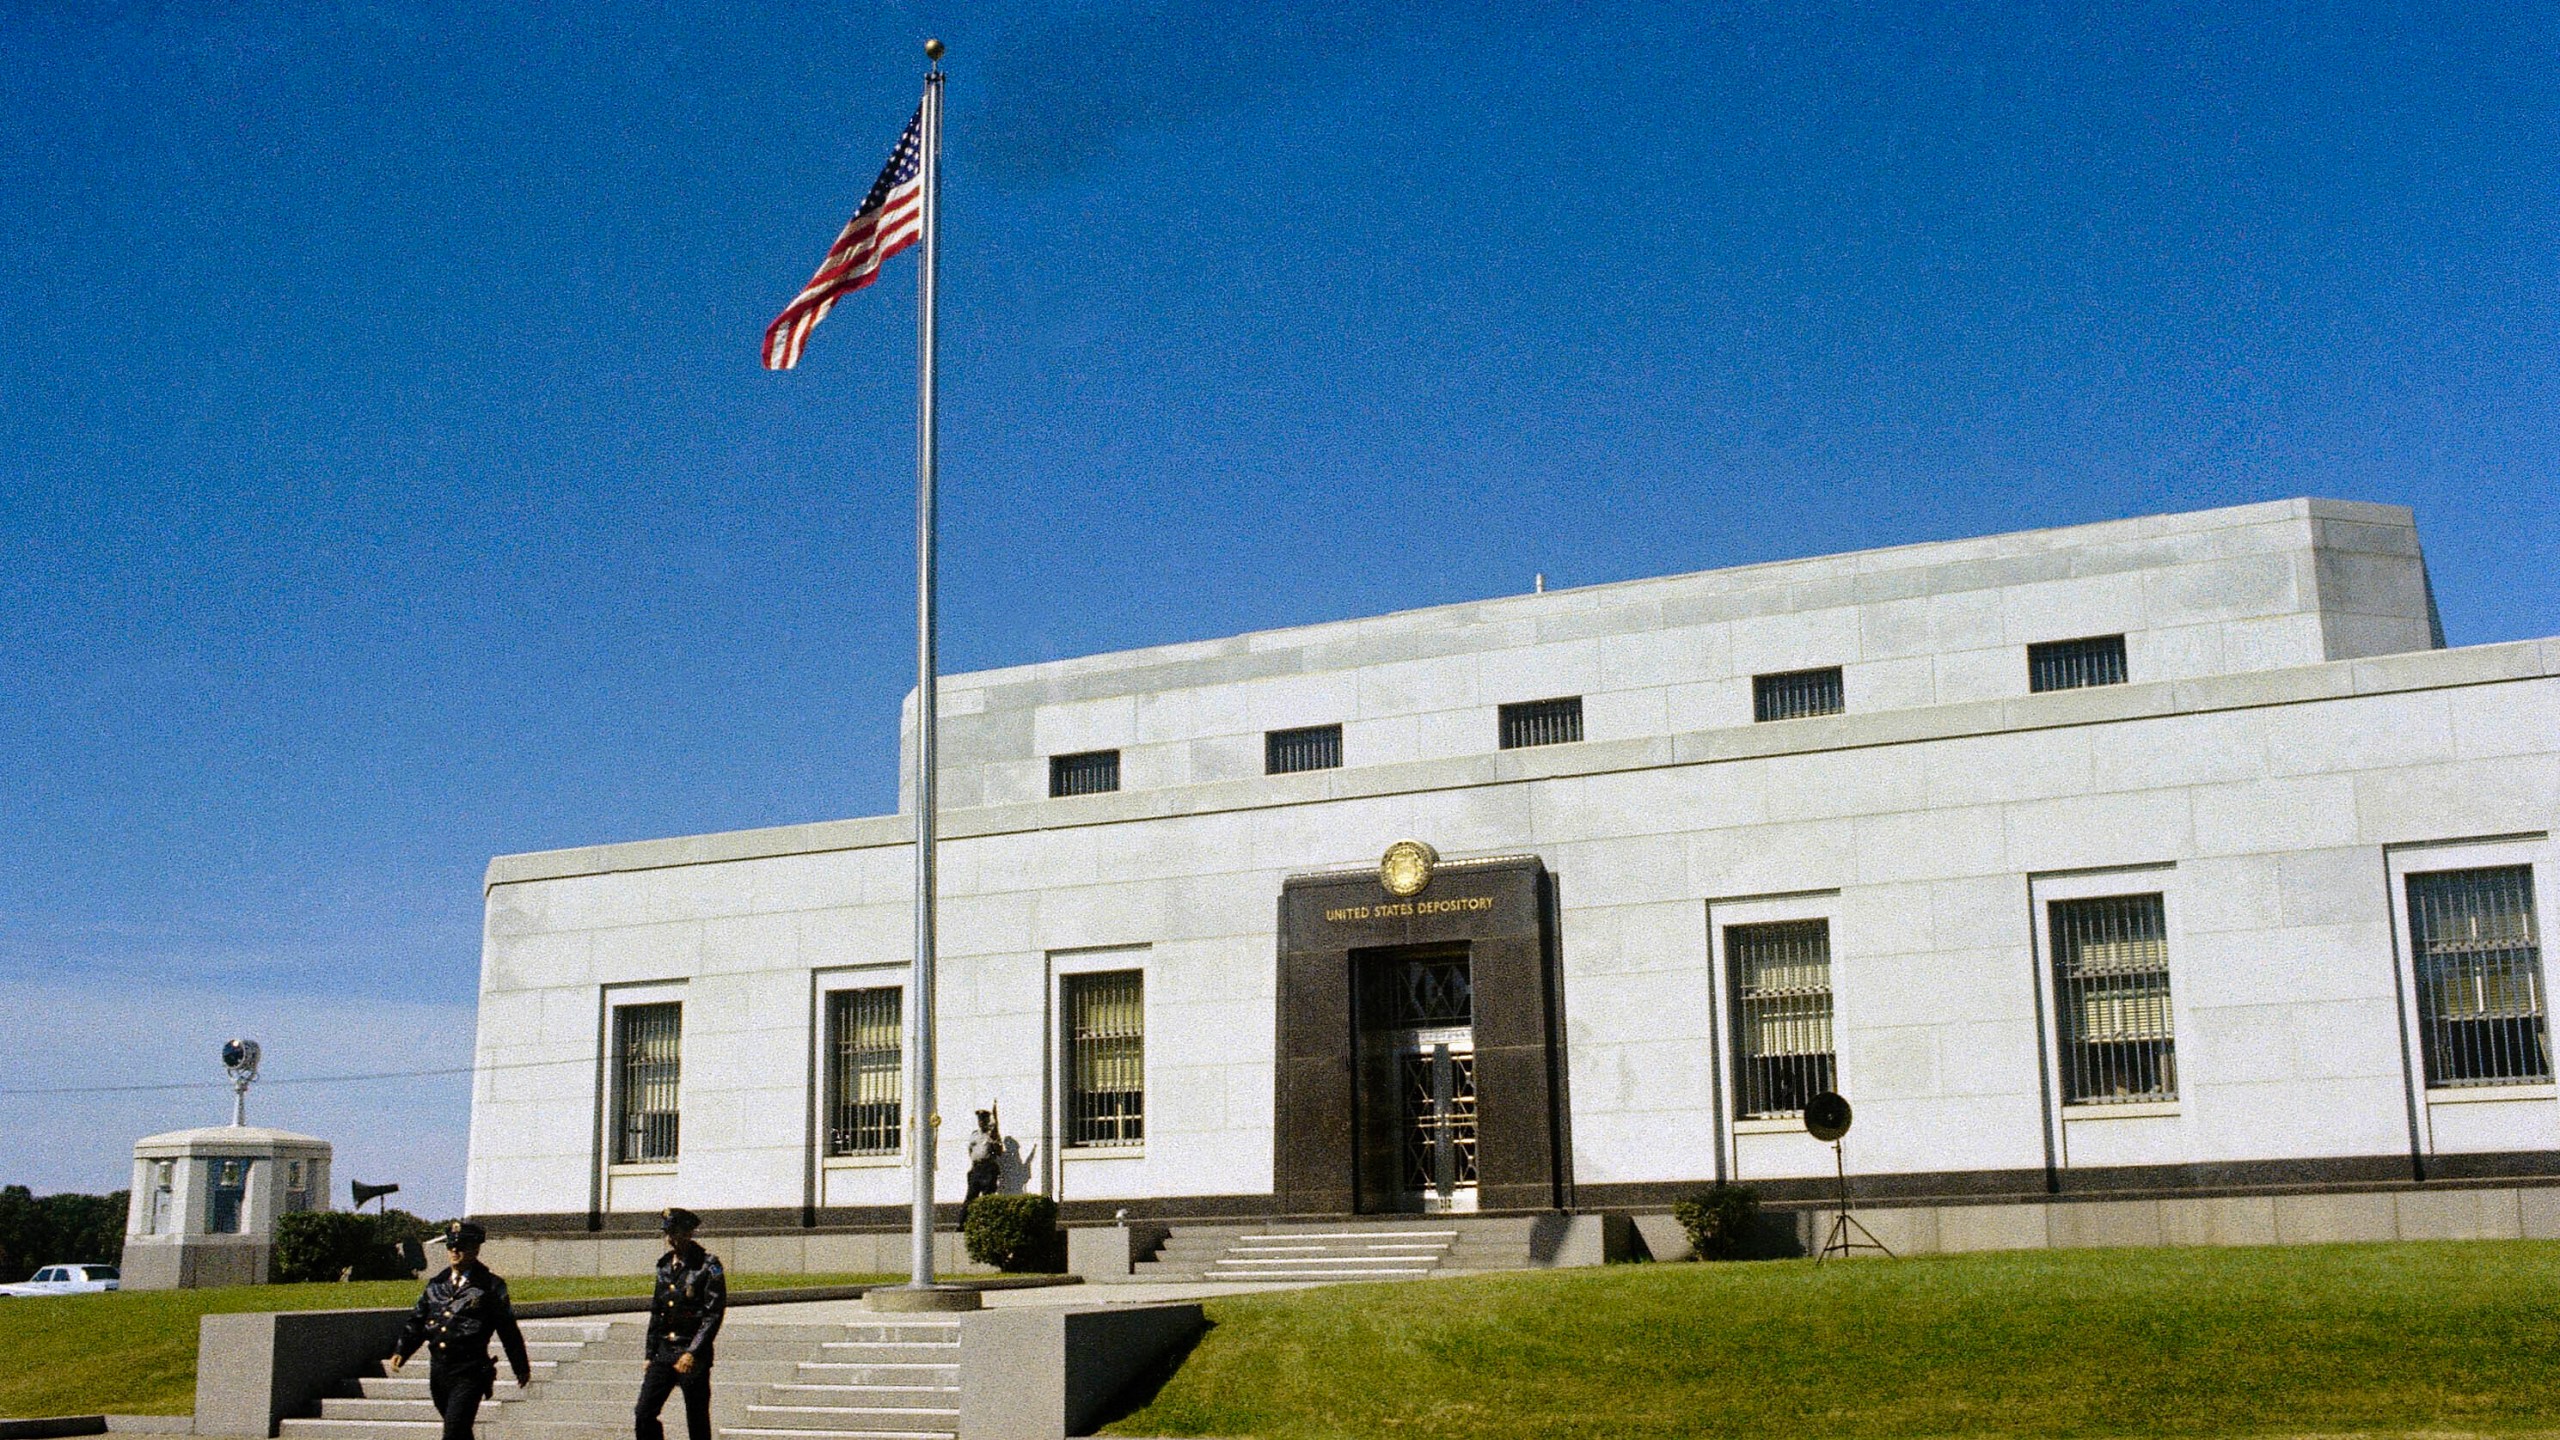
(2288, 749)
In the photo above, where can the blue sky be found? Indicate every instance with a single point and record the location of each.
(387, 480)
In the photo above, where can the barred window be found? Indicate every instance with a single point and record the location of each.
(647, 1067)
(864, 1058)
(222, 1203)
(1106, 1027)
(1095, 772)
(2073, 664)
(2111, 993)
(1782, 1015)
(2479, 964)
(1542, 722)
(1796, 694)
(1286, 752)
(297, 1186)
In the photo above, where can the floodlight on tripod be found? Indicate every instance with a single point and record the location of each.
(1826, 1118)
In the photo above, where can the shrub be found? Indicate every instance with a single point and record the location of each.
(319, 1245)
(333, 1244)
(1013, 1232)
(1720, 1221)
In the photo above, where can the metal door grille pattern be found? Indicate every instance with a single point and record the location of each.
(1796, 694)
(863, 1081)
(1106, 1058)
(1286, 752)
(2073, 664)
(2111, 990)
(1542, 722)
(2479, 963)
(1782, 1014)
(1418, 993)
(648, 1064)
(1424, 1118)
(1096, 772)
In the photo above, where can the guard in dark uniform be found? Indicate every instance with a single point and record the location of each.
(986, 1162)
(464, 1307)
(684, 1314)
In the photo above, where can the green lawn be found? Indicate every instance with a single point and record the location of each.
(133, 1352)
(2345, 1339)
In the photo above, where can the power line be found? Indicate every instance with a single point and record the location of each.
(294, 1079)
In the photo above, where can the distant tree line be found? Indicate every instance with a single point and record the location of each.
(58, 1230)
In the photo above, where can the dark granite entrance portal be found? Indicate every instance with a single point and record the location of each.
(1499, 915)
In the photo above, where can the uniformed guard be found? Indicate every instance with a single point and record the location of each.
(986, 1162)
(463, 1308)
(684, 1314)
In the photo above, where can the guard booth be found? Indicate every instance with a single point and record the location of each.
(205, 1203)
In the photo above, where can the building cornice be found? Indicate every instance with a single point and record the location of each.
(2522, 660)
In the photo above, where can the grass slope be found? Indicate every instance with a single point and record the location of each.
(133, 1352)
(2339, 1339)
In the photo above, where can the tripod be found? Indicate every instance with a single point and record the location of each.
(1842, 1222)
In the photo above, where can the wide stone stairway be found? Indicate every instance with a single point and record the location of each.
(892, 1376)
(383, 1406)
(868, 1380)
(1401, 1247)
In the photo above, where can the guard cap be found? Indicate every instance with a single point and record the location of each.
(465, 1235)
(677, 1220)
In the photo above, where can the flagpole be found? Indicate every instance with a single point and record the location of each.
(925, 1121)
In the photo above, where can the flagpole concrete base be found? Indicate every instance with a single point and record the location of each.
(910, 1299)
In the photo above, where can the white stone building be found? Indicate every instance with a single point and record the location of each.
(2153, 879)
(204, 1203)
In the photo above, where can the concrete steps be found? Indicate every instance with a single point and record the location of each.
(887, 1379)
(870, 1380)
(1354, 1254)
(1386, 1247)
(384, 1406)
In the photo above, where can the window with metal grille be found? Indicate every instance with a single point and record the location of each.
(1286, 752)
(864, 1059)
(1106, 1033)
(1781, 1014)
(297, 1186)
(2072, 664)
(1796, 694)
(2111, 996)
(1542, 722)
(1095, 772)
(2479, 964)
(647, 1067)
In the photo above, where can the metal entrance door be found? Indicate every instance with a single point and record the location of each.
(1440, 1127)
(1417, 1080)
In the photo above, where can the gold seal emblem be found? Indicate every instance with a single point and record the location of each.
(1406, 867)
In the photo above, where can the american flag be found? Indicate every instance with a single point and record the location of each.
(890, 220)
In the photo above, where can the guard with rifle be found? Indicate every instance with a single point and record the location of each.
(986, 1162)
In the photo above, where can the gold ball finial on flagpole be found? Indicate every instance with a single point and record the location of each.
(933, 50)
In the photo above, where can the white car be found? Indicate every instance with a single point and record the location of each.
(67, 1280)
